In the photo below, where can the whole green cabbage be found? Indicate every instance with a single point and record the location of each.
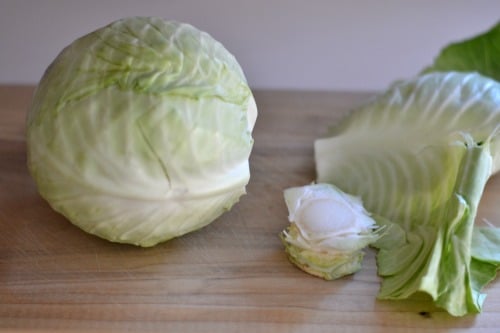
(141, 131)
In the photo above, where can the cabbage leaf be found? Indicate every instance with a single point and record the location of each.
(477, 54)
(419, 156)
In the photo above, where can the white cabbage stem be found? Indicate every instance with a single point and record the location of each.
(328, 230)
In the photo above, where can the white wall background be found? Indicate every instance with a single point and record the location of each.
(281, 44)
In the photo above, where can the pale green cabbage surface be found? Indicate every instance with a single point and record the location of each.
(141, 131)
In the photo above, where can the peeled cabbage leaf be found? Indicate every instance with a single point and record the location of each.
(419, 156)
(141, 131)
(477, 54)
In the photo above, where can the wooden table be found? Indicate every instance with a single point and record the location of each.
(232, 276)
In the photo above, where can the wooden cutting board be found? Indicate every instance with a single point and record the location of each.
(231, 276)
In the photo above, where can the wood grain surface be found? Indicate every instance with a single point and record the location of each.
(231, 276)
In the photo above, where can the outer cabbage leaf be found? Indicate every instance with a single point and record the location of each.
(485, 255)
(141, 131)
(477, 54)
(419, 156)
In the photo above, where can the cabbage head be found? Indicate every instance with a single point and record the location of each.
(141, 131)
